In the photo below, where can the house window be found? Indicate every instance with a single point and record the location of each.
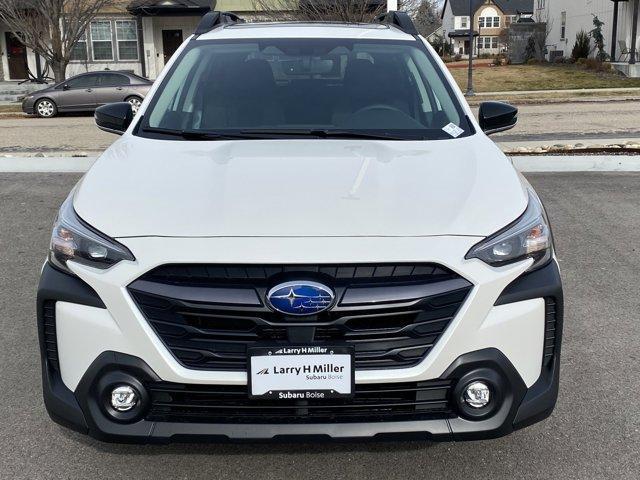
(541, 4)
(127, 38)
(488, 22)
(463, 22)
(101, 42)
(79, 50)
(488, 42)
(563, 25)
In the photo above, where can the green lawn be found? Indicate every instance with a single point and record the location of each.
(540, 77)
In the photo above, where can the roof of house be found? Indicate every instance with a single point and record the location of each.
(508, 7)
(159, 7)
(461, 33)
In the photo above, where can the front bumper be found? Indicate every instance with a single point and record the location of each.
(28, 106)
(524, 401)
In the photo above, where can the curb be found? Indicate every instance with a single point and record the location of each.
(533, 163)
(576, 163)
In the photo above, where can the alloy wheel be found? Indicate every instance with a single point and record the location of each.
(45, 108)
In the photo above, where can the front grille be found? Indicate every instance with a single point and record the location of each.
(550, 325)
(230, 404)
(208, 315)
(50, 339)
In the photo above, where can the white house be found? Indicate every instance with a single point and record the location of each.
(134, 35)
(490, 19)
(568, 17)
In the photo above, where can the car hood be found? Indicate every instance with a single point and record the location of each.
(311, 187)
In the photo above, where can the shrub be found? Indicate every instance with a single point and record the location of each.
(530, 50)
(533, 61)
(591, 63)
(582, 47)
(559, 60)
(597, 65)
(598, 38)
(457, 57)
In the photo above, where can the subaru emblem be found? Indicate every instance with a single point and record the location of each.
(300, 298)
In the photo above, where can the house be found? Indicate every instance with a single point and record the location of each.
(490, 19)
(111, 42)
(135, 35)
(620, 30)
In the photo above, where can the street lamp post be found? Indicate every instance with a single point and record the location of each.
(470, 92)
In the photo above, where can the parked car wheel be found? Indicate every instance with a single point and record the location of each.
(46, 108)
(135, 103)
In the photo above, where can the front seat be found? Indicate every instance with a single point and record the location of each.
(247, 98)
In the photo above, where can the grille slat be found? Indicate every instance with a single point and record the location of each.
(50, 339)
(231, 404)
(395, 334)
(549, 330)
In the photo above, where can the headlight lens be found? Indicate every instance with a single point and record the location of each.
(74, 240)
(528, 237)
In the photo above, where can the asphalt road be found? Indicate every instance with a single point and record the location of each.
(594, 432)
(551, 122)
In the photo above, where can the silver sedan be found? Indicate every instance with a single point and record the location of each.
(86, 92)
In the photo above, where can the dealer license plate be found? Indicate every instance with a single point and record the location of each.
(301, 373)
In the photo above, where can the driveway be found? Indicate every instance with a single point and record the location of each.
(594, 432)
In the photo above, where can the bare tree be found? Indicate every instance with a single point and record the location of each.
(51, 28)
(351, 11)
(544, 25)
(425, 14)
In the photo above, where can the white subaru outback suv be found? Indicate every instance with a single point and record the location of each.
(303, 232)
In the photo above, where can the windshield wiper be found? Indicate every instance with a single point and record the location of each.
(200, 134)
(324, 133)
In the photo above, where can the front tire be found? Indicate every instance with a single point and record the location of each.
(46, 108)
(135, 103)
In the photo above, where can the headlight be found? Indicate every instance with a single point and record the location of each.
(528, 237)
(74, 240)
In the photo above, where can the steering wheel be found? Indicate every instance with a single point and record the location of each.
(379, 106)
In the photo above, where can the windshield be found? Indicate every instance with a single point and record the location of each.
(273, 88)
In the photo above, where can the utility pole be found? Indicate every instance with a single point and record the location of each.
(392, 5)
(470, 92)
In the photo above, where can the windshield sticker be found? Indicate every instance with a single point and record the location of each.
(453, 130)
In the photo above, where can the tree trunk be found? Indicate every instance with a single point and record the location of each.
(59, 70)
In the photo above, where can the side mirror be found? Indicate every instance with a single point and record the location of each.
(497, 117)
(114, 117)
(65, 87)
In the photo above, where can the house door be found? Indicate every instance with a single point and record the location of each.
(466, 47)
(171, 40)
(16, 57)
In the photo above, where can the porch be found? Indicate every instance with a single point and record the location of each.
(164, 26)
(16, 60)
(624, 37)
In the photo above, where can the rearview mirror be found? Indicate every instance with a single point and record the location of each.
(497, 117)
(114, 117)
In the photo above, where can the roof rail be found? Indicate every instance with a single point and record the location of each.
(402, 20)
(213, 20)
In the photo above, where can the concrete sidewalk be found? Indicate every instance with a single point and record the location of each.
(630, 90)
(533, 163)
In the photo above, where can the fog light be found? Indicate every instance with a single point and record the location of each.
(124, 398)
(477, 395)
